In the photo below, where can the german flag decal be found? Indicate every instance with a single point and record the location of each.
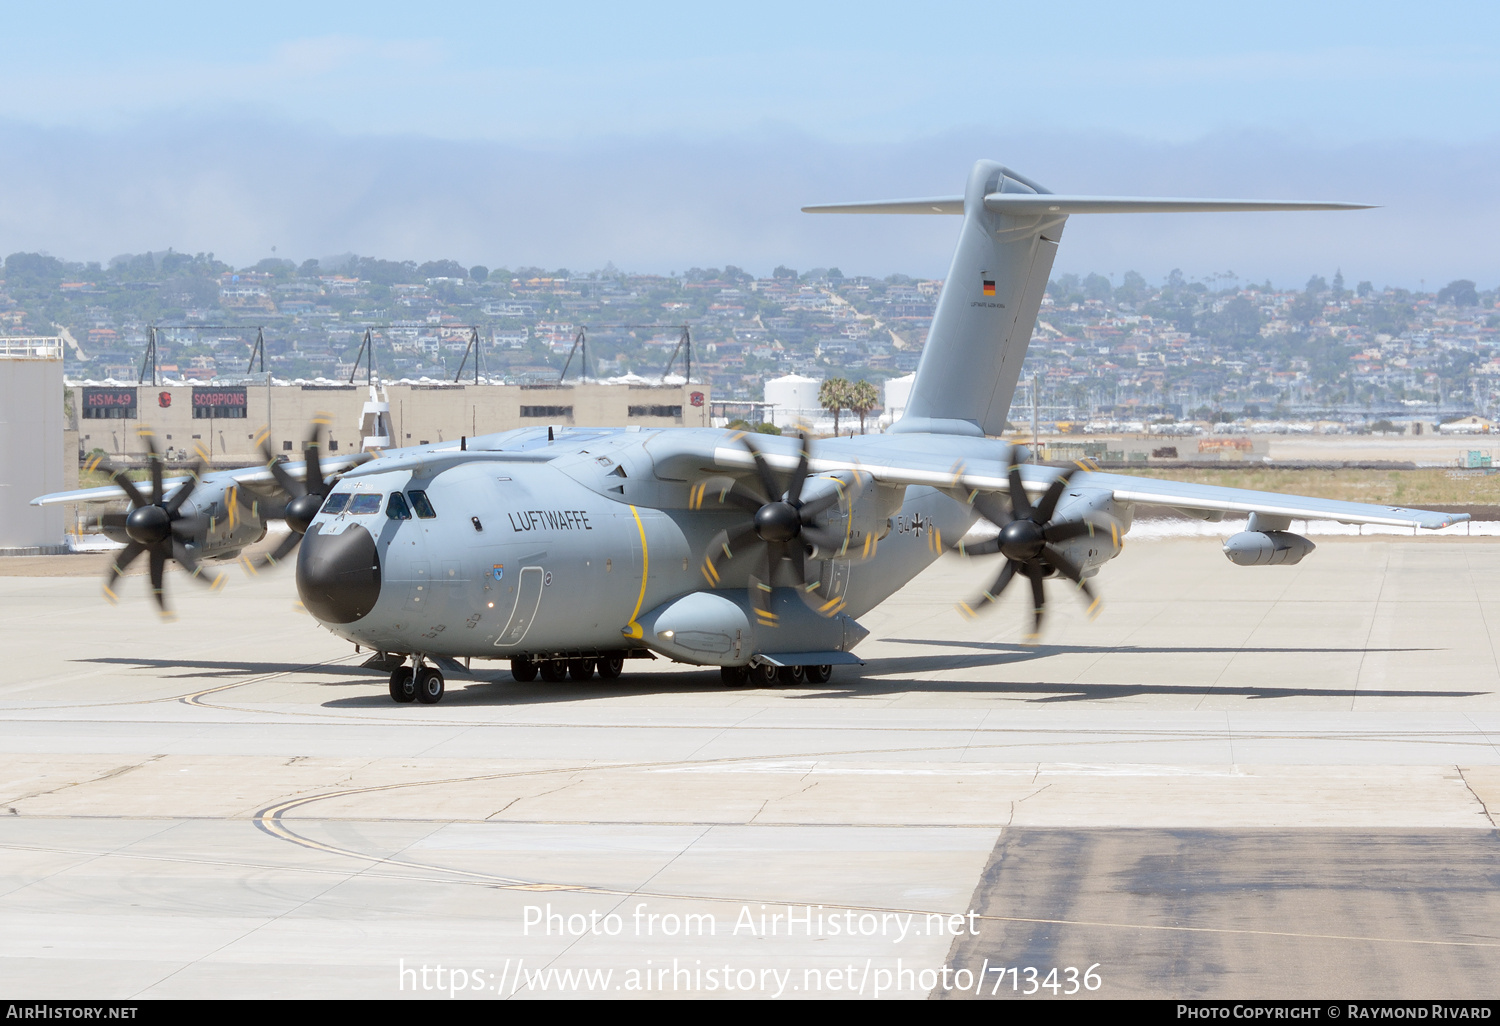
(989, 288)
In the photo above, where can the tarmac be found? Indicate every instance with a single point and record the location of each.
(1273, 782)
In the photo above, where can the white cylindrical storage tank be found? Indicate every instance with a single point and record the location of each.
(794, 399)
(31, 441)
(897, 393)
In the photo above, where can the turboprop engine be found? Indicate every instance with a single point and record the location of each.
(862, 517)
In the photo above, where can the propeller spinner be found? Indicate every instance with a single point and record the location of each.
(154, 526)
(1028, 539)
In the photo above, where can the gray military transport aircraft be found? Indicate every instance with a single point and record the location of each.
(568, 550)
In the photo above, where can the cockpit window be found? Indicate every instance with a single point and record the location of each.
(336, 502)
(365, 502)
(421, 505)
(397, 509)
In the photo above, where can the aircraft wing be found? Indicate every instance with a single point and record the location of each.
(965, 476)
(243, 475)
(1217, 499)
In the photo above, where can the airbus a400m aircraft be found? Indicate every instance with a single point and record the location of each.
(568, 551)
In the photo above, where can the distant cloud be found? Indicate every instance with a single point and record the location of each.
(664, 203)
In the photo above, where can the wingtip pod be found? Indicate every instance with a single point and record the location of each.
(1438, 521)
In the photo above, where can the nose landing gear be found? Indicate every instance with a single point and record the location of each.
(403, 684)
(418, 683)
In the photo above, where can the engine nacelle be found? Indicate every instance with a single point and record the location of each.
(215, 525)
(1266, 548)
(1090, 552)
(862, 516)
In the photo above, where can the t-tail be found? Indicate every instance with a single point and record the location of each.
(988, 307)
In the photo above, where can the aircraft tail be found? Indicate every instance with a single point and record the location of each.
(985, 315)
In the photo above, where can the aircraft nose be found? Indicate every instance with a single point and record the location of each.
(338, 575)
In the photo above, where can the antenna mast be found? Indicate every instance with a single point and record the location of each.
(474, 347)
(580, 342)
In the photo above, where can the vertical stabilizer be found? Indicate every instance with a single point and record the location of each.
(984, 317)
(986, 312)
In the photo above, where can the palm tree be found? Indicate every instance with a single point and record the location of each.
(833, 395)
(863, 397)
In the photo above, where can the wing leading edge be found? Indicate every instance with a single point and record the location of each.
(991, 476)
(244, 475)
(1217, 499)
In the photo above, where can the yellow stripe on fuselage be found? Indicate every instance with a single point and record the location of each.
(636, 630)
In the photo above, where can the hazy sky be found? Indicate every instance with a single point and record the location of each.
(661, 136)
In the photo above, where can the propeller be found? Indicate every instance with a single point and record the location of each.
(304, 498)
(153, 526)
(780, 527)
(1028, 540)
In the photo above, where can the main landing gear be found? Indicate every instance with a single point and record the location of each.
(609, 666)
(417, 683)
(764, 675)
(422, 683)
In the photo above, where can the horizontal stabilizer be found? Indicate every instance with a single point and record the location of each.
(1019, 203)
(935, 205)
(1029, 204)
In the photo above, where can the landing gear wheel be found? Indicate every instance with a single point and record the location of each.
(734, 676)
(581, 669)
(403, 687)
(610, 666)
(792, 676)
(523, 670)
(763, 676)
(818, 674)
(429, 686)
(554, 670)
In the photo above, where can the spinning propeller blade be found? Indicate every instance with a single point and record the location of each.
(153, 525)
(780, 528)
(1028, 539)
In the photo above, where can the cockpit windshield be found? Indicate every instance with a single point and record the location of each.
(421, 505)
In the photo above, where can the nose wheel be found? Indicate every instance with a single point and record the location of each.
(403, 685)
(429, 686)
(422, 684)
